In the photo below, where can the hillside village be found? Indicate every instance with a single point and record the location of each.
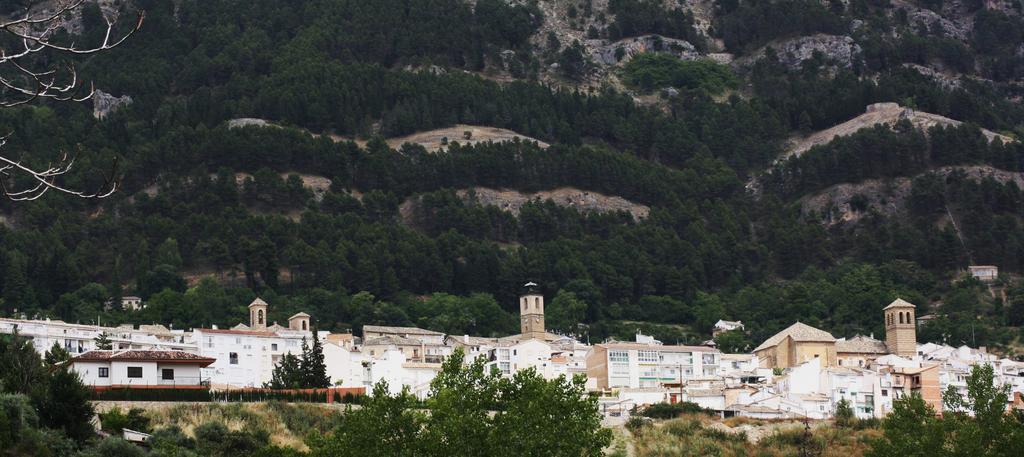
(801, 372)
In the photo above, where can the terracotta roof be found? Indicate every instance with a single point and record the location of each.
(298, 315)
(799, 332)
(402, 330)
(899, 303)
(861, 344)
(144, 356)
(237, 332)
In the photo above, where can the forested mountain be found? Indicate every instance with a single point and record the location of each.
(685, 107)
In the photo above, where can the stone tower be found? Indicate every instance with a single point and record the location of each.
(531, 313)
(258, 314)
(900, 329)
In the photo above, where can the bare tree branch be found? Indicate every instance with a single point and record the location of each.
(35, 31)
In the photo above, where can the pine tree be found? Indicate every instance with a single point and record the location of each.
(56, 355)
(315, 368)
(103, 342)
(287, 374)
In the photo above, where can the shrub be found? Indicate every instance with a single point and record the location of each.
(115, 420)
(636, 424)
(844, 414)
(649, 71)
(673, 410)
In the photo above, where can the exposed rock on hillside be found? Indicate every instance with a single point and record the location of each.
(940, 25)
(844, 204)
(879, 113)
(104, 103)
(841, 51)
(623, 50)
(435, 140)
(512, 201)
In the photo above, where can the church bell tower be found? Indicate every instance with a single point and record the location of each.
(900, 328)
(531, 312)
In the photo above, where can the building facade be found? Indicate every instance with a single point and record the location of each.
(634, 365)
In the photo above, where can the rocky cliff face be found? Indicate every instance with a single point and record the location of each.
(839, 50)
(104, 103)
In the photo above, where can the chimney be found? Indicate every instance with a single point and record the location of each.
(214, 326)
(465, 339)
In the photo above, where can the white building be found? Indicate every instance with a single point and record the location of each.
(246, 355)
(616, 365)
(984, 273)
(392, 367)
(79, 338)
(726, 326)
(138, 368)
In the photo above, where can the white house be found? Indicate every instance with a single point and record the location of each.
(139, 368)
(984, 273)
(247, 354)
(392, 367)
(344, 364)
(635, 365)
(79, 338)
(725, 326)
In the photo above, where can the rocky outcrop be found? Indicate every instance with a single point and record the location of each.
(103, 103)
(845, 204)
(513, 201)
(940, 25)
(605, 53)
(247, 122)
(839, 50)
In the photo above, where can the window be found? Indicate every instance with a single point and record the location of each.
(709, 359)
(901, 318)
(233, 356)
(104, 372)
(167, 374)
(304, 325)
(885, 392)
(259, 320)
(273, 346)
(647, 356)
(134, 372)
(618, 356)
(505, 367)
(209, 341)
(620, 369)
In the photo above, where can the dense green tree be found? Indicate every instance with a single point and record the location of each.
(102, 342)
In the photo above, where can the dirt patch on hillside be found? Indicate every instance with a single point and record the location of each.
(512, 201)
(877, 114)
(849, 202)
(435, 140)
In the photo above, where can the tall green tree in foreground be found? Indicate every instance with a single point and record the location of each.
(472, 411)
(305, 371)
(976, 426)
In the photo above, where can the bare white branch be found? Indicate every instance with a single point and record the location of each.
(21, 84)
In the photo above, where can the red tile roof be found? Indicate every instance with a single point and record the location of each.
(144, 356)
